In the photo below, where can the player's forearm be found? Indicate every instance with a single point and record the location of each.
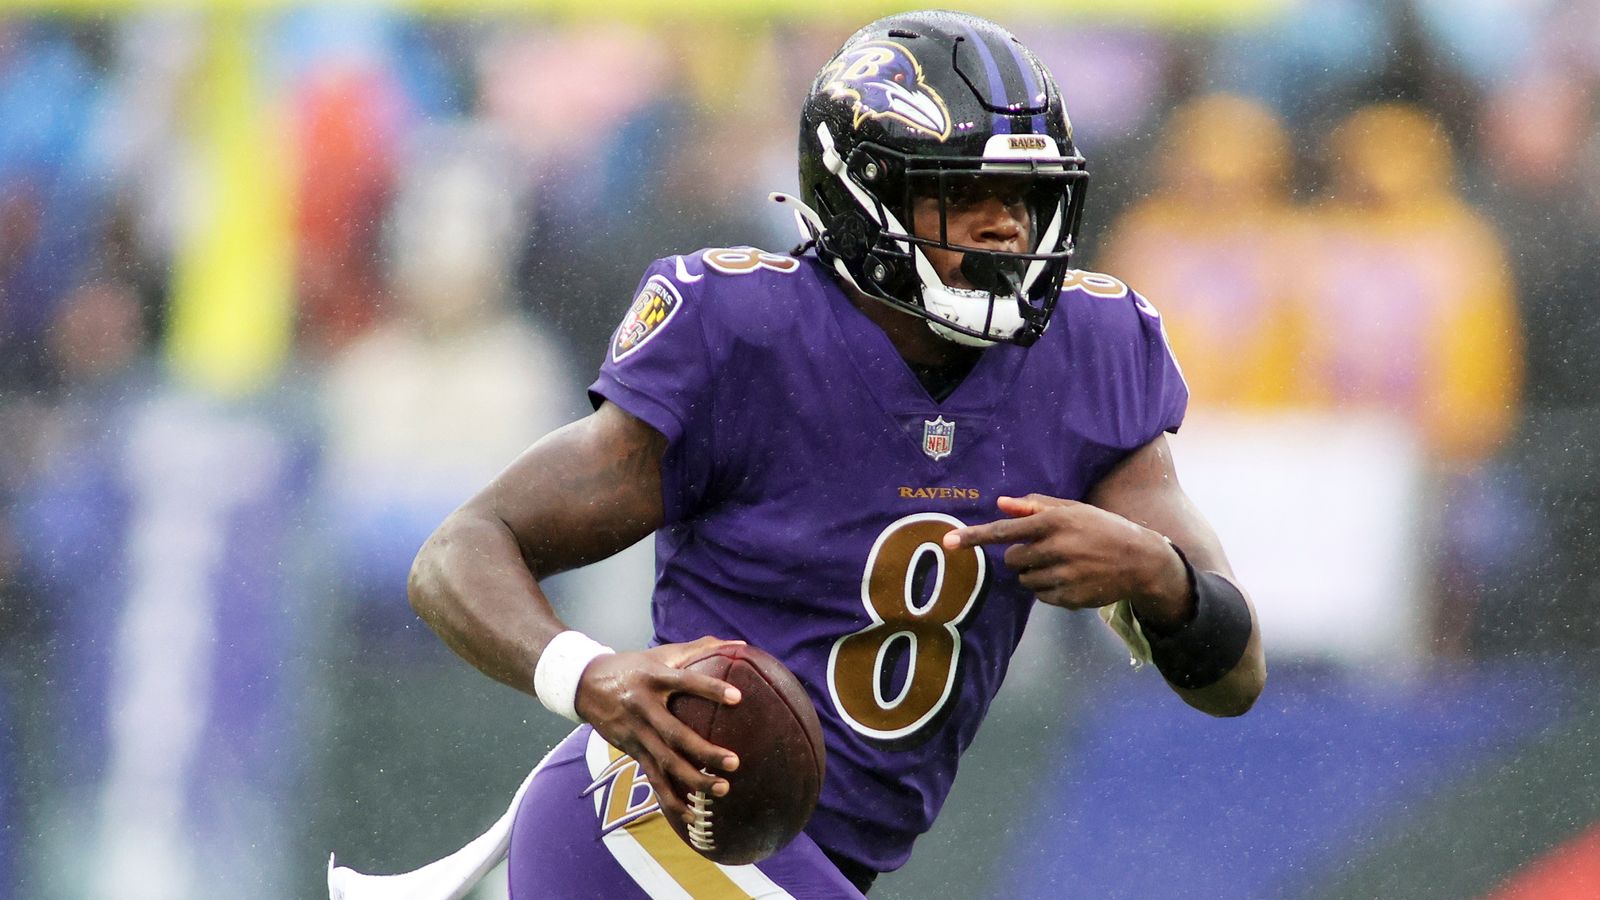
(1208, 647)
(470, 584)
(1235, 692)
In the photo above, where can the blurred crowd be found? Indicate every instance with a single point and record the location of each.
(224, 429)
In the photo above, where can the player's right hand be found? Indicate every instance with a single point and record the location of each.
(624, 696)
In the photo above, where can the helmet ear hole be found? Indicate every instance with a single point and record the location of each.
(847, 237)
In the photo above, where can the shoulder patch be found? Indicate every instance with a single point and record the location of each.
(657, 303)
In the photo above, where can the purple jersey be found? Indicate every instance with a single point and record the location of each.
(808, 478)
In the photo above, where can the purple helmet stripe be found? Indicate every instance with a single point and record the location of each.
(1029, 82)
(1002, 124)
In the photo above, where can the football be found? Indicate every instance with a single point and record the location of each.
(774, 730)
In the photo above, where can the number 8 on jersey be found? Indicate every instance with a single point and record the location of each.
(859, 665)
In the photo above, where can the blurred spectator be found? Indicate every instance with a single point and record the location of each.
(348, 132)
(155, 534)
(1407, 291)
(1114, 79)
(1541, 155)
(1542, 160)
(1307, 60)
(426, 407)
(1208, 247)
(48, 94)
(1410, 311)
(678, 161)
(62, 453)
(418, 414)
(363, 81)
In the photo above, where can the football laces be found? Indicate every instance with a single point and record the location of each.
(700, 836)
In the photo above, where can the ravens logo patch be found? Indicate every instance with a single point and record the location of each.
(657, 303)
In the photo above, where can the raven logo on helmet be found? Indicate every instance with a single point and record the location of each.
(885, 82)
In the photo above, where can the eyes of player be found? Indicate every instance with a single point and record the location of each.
(963, 194)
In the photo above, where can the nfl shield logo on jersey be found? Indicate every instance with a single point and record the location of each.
(938, 437)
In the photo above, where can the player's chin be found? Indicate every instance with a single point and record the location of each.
(947, 265)
(952, 276)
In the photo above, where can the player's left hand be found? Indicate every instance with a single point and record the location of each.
(1079, 556)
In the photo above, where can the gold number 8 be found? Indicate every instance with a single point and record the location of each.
(857, 663)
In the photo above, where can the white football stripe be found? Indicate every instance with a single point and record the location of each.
(756, 883)
(643, 868)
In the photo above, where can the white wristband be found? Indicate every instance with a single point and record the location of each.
(555, 677)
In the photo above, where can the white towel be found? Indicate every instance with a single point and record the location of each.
(1120, 617)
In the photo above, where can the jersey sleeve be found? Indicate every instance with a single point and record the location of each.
(1166, 394)
(660, 368)
(1117, 351)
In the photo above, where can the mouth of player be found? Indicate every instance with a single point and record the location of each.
(978, 274)
(953, 280)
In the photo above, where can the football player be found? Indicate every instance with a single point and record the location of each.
(870, 457)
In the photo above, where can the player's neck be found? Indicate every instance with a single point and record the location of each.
(912, 337)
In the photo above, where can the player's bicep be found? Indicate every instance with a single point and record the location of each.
(1144, 489)
(581, 493)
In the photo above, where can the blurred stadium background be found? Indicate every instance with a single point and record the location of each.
(281, 283)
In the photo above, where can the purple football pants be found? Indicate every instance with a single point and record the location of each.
(588, 827)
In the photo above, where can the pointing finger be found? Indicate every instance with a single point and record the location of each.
(1033, 503)
(1016, 506)
(1002, 531)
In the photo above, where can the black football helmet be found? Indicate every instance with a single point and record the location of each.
(934, 104)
